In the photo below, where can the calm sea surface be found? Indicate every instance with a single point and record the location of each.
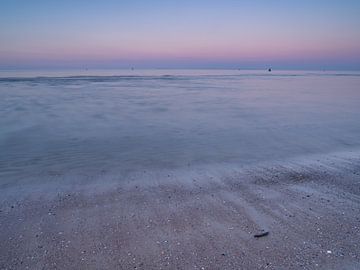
(134, 120)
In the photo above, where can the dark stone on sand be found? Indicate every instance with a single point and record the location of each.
(261, 234)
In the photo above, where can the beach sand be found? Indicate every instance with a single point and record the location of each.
(202, 217)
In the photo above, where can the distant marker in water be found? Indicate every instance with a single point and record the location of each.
(269, 69)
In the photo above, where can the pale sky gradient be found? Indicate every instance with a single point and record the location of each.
(316, 34)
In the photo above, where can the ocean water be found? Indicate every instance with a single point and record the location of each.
(142, 119)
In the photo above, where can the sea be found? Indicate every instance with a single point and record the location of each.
(62, 121)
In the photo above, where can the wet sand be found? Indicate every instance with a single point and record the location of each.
(201, 217)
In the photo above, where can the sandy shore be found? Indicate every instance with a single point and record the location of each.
(193, 218)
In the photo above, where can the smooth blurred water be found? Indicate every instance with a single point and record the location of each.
(134, 120)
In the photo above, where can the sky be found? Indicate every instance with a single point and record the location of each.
(288, 34)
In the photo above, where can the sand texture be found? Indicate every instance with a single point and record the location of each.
(199, 218)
